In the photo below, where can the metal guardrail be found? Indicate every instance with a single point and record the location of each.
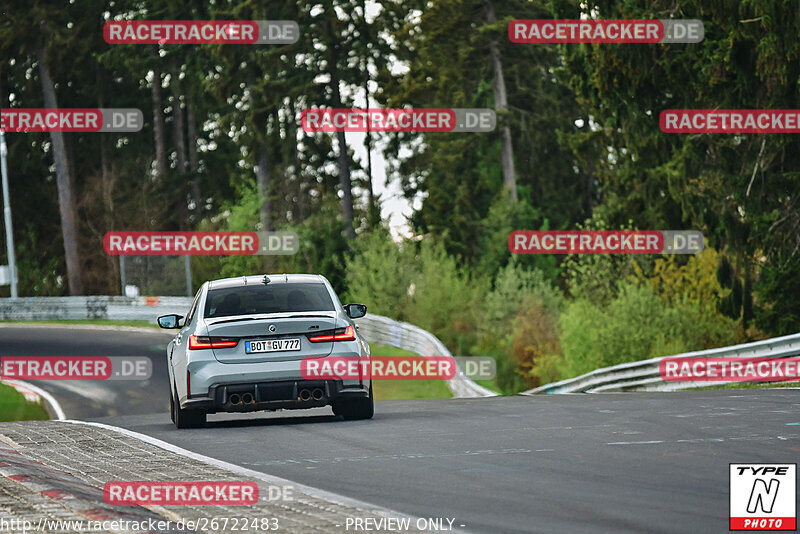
(101, 307)
(644, 375)
(384, 331)
(375, 328)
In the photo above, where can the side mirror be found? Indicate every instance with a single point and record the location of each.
(354, 311)
(170, 321)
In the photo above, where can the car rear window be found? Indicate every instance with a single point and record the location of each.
(277, 298)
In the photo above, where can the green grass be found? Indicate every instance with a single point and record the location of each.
(406, 389)
(14, 407)
(104, 322)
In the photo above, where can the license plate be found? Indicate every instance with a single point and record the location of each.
(271, 345)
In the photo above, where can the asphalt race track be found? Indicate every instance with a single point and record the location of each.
(96, 398)
(630, 462)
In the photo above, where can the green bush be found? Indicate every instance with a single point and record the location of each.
(536, 342)
(777, 313)
(517, 324)
(595, 277)
(39, 271)
(379, 274)
(511, 287)
(503, 218)
(636, 325)
(442, 298)
(421, 285)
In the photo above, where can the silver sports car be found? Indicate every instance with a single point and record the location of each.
(240, 349)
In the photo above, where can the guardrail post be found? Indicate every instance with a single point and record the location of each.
(122, 273)
(188, 265)
(12, 261)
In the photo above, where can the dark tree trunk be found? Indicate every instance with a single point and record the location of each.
(372, 217)
(180, 160)
(501, 104)
(108, 209)
(589, 189)
(194, 163)
(180, 151)
(107, 177)
(344, 166)
(345, 182)
(262, 167)
(262, 181)
(747, 297)
(158, 118)
(300, 207)
(66, 202)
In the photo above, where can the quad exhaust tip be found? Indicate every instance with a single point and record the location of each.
(305, 395)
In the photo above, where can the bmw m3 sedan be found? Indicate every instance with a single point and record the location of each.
(240, 348)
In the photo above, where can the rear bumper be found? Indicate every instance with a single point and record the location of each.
(273, 385)
(275, 395)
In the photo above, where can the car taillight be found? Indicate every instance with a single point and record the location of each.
(340, 334)
(206, 342)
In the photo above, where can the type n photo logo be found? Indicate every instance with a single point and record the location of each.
(763, 497)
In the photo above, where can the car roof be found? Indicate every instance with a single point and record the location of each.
(257, 279)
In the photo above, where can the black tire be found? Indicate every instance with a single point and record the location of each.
(171, 406)
(355, 409)
(186, 418)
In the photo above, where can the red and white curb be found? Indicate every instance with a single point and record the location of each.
(72, 493)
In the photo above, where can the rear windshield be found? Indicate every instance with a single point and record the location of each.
(277, 298)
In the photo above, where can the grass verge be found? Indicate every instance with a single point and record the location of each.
(406, 389)
(14, 406)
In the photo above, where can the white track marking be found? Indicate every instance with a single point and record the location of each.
(634, 442)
